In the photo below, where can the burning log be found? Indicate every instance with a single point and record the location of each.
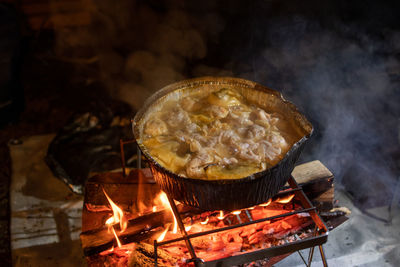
(138, 229)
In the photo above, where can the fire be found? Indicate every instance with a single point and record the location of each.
(187, 228)
(221, 215)
(206, 221)
(285, 200)
(266, 203)
(154, 208)
(236, 212)
(118, 215)
(162, 235)
(116, 237)
(164, 199)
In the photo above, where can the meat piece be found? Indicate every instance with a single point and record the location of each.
(241, 118)
(195, 167)
(189, 104)
(155, 127)
(276, 139)
(255, 132)
(245, 153)
(194, 145)
(268, 150)
(177, 118)
(191, 127)
(260, 114)
(229, 137)
(217, 112)
(229, 161)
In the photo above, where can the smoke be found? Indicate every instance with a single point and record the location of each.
(341, 77)
(342, 73)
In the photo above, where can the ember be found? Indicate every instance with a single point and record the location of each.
(243, 239)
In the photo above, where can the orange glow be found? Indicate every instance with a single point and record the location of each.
(221, 215)
(206, 221)
(164, 200)
(251, 208)
(266, 203)
(236, 212)
(162, 235)
(118, 215)
(187, 228)
(116, 237)
(154, 208)
(285, 200)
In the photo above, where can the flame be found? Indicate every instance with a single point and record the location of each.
(221, 215)
(266, 203)
(154, 208)
(285, 200)
(206, 221)
(164, 199)
(162, 235)
(116, 237)
(236, 212)
(187, 228)
(110, 220)
(118, 215)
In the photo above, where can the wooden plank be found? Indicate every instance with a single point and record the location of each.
(317, 183)
(309, 171)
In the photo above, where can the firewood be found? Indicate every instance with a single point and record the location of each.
(317, 183)
(138, 229)
(97, 240)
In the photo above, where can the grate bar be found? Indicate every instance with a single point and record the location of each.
(236, 226)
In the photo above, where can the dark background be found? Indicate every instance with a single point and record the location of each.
(338, 61)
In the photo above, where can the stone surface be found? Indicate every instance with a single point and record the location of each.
(360, 241)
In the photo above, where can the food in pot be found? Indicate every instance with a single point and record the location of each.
(216, 136)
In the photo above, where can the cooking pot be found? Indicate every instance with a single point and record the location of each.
(225, 194)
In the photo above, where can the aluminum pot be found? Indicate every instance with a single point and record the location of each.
(226, 194)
